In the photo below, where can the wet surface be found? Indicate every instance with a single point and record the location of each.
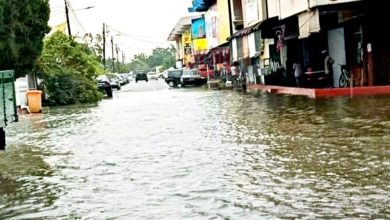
(158, 153)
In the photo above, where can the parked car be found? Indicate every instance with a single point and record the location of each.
(141, 76)
(192, 77)
(162, 75)
(104, 85)
(173, 77)
(152, 75)
(125, 78)
(115, 81)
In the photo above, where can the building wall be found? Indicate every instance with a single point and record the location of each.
(315, 3)
(179, 49)
(245, 45)
(292, 7)
(223, 21)
(254, 11)
(273, 8)
(287, 8)
(237, 14)
(212, 26)
(251, 12)
(262, 7)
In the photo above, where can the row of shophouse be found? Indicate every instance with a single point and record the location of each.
(265, 37)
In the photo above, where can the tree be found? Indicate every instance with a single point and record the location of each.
(164, 57)
(140, 62)
(69, 70)
(96, 43)
(23, 26)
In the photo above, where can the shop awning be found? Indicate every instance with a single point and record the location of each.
(253, 28)
(246, 31)
(182, 23)
(309, 22)
(201, 5)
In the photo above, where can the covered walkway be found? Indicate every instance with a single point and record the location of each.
(320, 93)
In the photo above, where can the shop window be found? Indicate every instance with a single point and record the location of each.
(258, 42)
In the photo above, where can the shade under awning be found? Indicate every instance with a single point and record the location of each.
(309, 22)
(246, 31)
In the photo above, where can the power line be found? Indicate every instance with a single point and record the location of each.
(133, 37)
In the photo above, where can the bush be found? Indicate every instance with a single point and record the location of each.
(69, 71)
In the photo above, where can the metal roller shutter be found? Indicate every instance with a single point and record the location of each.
(336, 45)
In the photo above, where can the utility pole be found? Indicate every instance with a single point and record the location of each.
(117, 58)
(104, 45)
(112, 54)
(67, 17)
(123, 58)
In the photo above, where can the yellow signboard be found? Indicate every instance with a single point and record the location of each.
(187, 42)
(200, 44)
(187, 47)
(223, 21)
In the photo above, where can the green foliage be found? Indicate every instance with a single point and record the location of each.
(164, 57)
(119, 67)
(140, 62)
(69, 70)
(23, 26)
(96, 43)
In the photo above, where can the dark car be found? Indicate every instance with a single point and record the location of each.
(104, 85)
(173, 77)
(115, 81)
(141, 76)
(192, 77)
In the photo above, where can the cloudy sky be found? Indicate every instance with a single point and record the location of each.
(144, 24)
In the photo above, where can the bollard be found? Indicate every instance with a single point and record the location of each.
(2, 139)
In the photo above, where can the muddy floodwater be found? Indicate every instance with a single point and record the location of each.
(199, 154)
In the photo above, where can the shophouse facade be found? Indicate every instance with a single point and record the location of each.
(182, 35)
(306, 28)
(267, 36)
(217, 55)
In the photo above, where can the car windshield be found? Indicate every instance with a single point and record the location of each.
(174, 73)
(102, 78)
(191, 73)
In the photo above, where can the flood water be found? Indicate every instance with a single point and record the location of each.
(198, 154)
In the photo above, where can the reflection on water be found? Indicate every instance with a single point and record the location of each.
(200, 155)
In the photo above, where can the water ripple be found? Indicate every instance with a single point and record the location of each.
(196, 154)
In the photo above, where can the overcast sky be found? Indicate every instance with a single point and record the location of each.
(148, 22)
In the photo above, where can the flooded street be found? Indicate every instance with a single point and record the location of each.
(157, 153)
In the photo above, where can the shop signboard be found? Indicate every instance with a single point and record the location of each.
(198, 28)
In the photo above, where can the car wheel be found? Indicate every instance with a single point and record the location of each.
(182, 85)
(146, 80)
(171, 83)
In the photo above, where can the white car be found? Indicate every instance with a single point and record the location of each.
(162, 75)
(152, 75)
